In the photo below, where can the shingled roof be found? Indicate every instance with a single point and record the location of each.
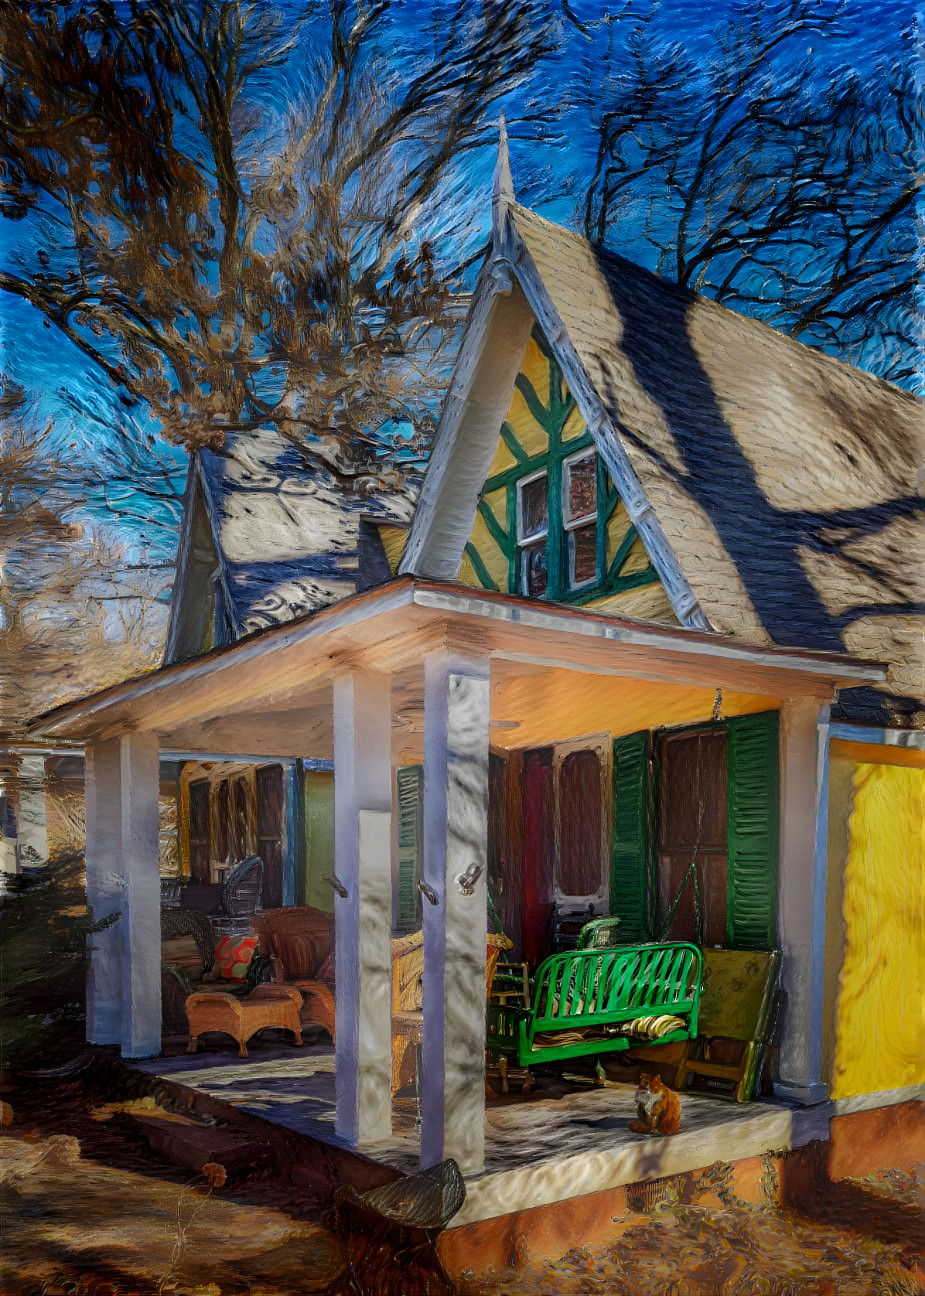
(284, 530)
(788, 483)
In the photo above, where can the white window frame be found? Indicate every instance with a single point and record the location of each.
(570, 524)
(527, 543)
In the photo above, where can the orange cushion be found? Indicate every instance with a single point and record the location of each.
(233, 956)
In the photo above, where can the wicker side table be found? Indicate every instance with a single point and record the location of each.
(268, 1005)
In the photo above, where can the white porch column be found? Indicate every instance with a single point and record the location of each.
(141, 908)
(801, 898)
(102, 775)
(363, 919)
(456, 715)
(33, 831)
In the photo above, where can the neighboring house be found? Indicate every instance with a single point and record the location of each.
(266, 537)
(660, 597)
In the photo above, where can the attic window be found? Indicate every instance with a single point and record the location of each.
(579, 517)
(533, 532)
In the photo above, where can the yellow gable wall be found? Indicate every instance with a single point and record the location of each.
(648, 602)
(879, 1021)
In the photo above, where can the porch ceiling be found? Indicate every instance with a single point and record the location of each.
(273, 691)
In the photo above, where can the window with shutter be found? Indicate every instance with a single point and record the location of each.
(726, 805)
(200, 845)
(270, 832)
(751, 921)
(632, 834)
(410, 783)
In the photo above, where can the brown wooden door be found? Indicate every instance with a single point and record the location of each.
(270, 832)
(200, 846)
(692, 818)
(539, 851)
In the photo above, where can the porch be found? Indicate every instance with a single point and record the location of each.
(440, 677)
(568, 1138)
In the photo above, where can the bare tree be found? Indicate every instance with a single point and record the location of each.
(755, 175)
(231, 266)
(73, 615)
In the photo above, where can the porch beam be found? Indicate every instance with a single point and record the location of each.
(141, 909)
(456, 737)
(801, 897)
(105, 885)
(363, 918)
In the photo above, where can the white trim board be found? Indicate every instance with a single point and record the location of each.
(880, 1098)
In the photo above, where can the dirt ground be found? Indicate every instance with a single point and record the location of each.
(89, 1210)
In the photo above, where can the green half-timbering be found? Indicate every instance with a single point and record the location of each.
(550, 523)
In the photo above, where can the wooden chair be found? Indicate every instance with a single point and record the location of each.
(408, 995)
(735, 1004)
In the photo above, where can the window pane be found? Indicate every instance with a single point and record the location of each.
(582, 487)
(534, 507)
(535, 571)
(583, 544)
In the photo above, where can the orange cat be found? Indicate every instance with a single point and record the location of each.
(659, 1107)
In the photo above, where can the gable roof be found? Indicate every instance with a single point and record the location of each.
(774, 486)
(283, 532)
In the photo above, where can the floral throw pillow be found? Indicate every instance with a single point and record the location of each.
(232, 957)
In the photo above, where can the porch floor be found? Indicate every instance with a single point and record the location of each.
(562, 1141)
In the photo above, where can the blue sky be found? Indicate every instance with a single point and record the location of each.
(551, 164)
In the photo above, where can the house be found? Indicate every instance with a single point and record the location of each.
(269, 535)
(657, 599)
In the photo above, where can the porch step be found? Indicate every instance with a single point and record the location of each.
(193, 1146)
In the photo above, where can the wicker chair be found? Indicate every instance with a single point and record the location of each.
(426, 1201)
(177, 923)
(243, 888)
(407, 994)
(298, 941)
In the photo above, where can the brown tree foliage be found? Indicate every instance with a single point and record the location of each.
(233, 266)
(73, 615)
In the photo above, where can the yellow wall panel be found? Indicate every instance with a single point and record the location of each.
(503, 459)
(574, 426)
(535, 369)
(617, 526)
(489, 552)
(467, 574)
(637, 559)
(880, 1024)
(393, 542)
(646, 603)
(497, 502)
(525, 427)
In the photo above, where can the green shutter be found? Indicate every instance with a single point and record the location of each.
(410, 780)
(752, 757)
(632, 837)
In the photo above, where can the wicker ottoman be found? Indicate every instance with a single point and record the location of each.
(268, 1005)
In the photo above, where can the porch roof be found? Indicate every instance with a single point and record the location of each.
(290, 668)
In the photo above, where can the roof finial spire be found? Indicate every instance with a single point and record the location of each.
(503, 190)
